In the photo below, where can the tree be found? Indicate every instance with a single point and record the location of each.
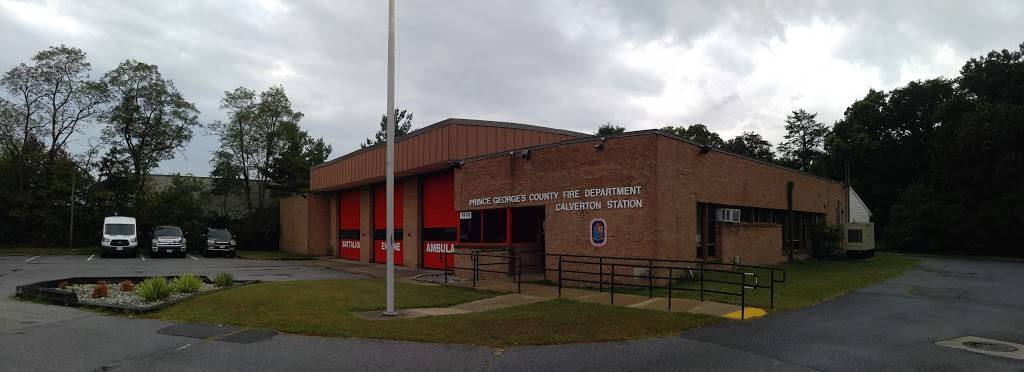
(403, 125)
(608, 129)
(883, 126)
(226, 177)
(289, 172)
(255, 135)
(68, 96)
(149, 120)
(804, 140)
(20, 121)
(751, 145)
(274, 113)
(238, 149)
(696, 133)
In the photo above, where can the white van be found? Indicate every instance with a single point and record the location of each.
(120, 235)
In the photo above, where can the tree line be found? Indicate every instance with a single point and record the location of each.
(940, 162)
(47, 103)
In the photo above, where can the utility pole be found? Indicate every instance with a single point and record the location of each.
(71, 222)
(389, 171)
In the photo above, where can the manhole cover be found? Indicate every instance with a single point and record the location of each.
(990, 346)
(986, 346)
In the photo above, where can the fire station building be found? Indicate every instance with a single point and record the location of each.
(471, 184)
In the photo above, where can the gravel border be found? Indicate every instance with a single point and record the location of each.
(117, 297)
(79, 291)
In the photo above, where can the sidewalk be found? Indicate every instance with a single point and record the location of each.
(373, 270)
(533, 293)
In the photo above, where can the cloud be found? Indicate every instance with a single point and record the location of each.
(735, 66)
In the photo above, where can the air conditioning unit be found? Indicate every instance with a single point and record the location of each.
(728, 215)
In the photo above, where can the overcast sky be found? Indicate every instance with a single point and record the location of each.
(734, 66)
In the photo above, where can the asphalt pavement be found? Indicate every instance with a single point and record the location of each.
(889, 326)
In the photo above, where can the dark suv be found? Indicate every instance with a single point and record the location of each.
(168, 240)
(219, 241)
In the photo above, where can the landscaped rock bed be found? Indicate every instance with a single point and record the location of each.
(117, 297)
(76, 292)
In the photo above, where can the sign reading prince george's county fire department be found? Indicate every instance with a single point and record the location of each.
(573, 197)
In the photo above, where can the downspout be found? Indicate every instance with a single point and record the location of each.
(787, 229)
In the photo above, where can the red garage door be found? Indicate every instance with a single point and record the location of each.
(348, 225)
(440, 219)
(380, 221)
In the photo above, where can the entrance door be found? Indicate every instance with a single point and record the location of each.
(440, 220)
(709, 232)
(527, 237)
(380, 223)
(348, 225)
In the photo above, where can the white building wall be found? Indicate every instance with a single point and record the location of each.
(859, 212)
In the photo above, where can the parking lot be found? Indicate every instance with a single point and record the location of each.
(889, 326)
(19, 270)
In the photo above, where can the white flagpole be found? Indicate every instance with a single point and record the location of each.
(390, 164)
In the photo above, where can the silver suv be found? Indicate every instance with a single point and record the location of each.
(168, 240)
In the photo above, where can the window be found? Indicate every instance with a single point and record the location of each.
(526, 224)
(442, 234)
(119, 229)
(382, 234)
(495, 226)
(470, 229)
(168, 231)
(854, 236)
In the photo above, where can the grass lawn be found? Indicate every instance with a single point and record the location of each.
(270, 255)
(325, 308)
(53, 251)
(807, 283)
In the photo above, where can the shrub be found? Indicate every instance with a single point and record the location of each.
(127, 286)
(154, 289)
(63, 284)
(187, 283)
(826, 241)
(224, 280)
(100, 290)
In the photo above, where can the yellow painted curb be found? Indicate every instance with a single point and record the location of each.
(750, 313)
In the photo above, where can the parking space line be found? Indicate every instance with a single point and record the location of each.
(192, 257)
(90, 258)
(183, 347)
(30, 259)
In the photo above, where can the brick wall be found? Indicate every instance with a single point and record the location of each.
(334, 225)
(673, 176)
(725, 179)
(754, 244)
(573, 167)
(412, 221)
(305, 225)
(294, 215)
(319, 242)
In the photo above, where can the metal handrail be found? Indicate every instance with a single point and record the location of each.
(515, 265)
(476, 265)
(776, 275)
